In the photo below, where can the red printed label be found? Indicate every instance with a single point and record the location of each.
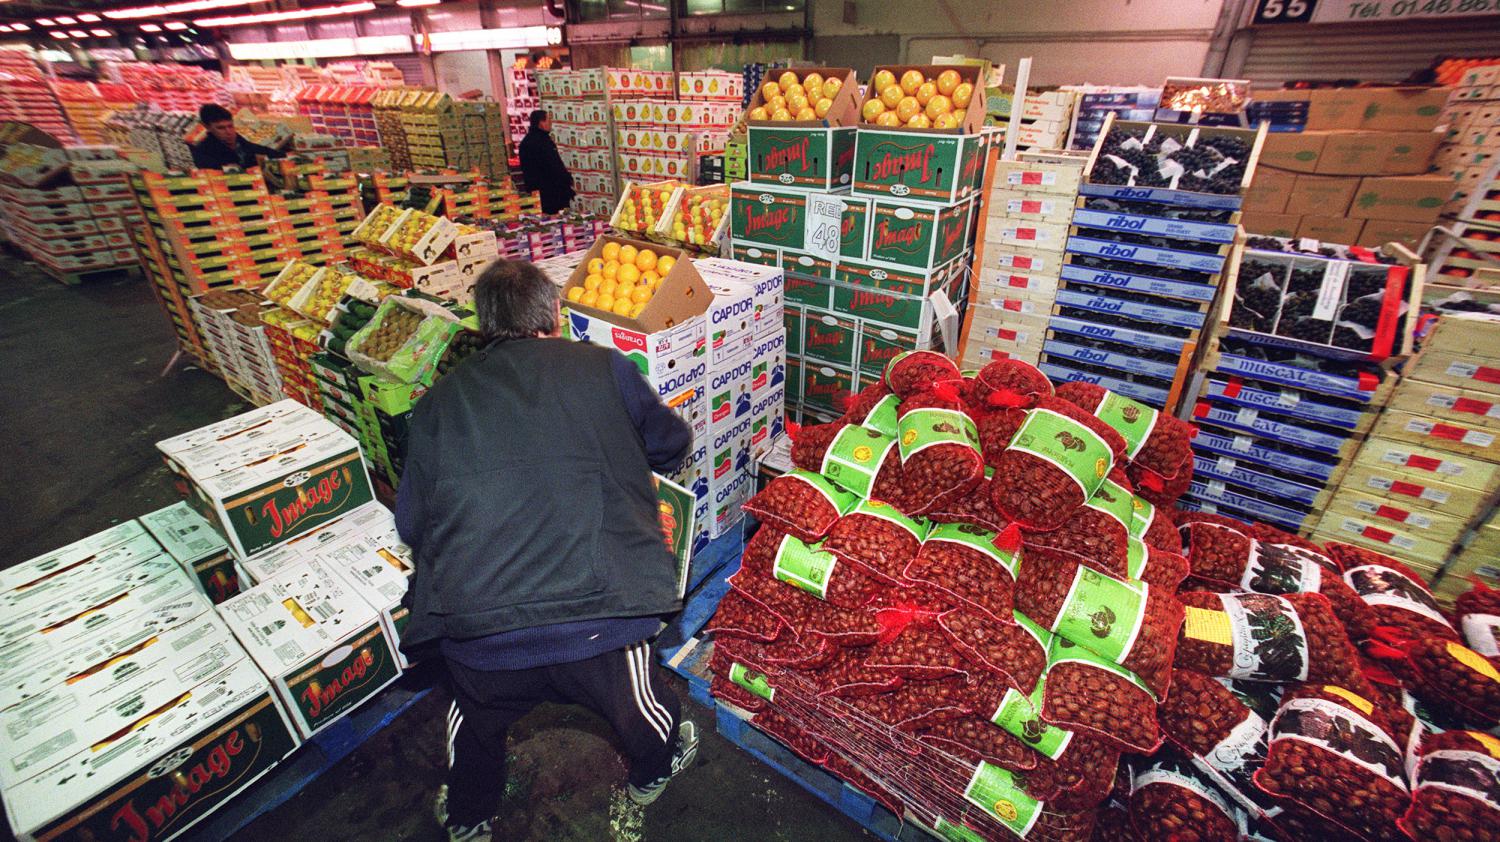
(1472, 406)
(1019, 280)
(1447, 431)
(1392, 513)
(1380, 535)
(1410, 489)
(1022, 262)
(1426, 463)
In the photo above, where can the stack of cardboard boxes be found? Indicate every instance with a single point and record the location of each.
(580, 105)
(1431, 468)
(1471, 144)
(1030, 206)
(1356, 173)
(874, 228)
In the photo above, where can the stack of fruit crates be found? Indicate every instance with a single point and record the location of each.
(859, 292)
(318, 224)
(1431, 467)
(228, 320)
(26, 97)
(580, 105)
(88, 103)
(1147, 254)
(657, 139)
(520, 100)
(1296, 377)
(385, 108)
(344, 111)
(1031, 200)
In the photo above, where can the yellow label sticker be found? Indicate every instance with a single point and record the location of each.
(1490, 744)
(1207, 624)
(1360, 702)
(1473, 660)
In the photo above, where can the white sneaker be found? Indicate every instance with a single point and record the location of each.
(481, 832)
(682, 757)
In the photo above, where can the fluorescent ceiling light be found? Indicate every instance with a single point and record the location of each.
(78, 33)
(495, 39)
(410, 3)
(186, 7)
(45, 22)
(89, 17)
(300, 14)
(371, 45)
(55, 56)
(65, 20)
(58, 34)
(100, 33)
(4, 27)
(176, 25)
(20, 27)
(150, 27)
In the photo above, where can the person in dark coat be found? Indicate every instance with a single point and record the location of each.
(223, 147)
(542, 167)
(541, 572)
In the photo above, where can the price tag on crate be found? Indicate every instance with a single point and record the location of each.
(824, 219)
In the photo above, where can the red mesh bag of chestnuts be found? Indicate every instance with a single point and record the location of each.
(974, 507)
(857, 459)
(1053, 464)
(1224, 738)
(1009, 384)
(915, 371)
(739, 684)
(808, 568)
(1396, 596)
(1169, 799)
(1478, 613)
(801, 503)
(877, 539)
(1335, 753)
(1261, 637)
(1154, 441)
(969, 565)
(874, 407)
(972, 739)
(1449, 677)
(1015, 652)
(738, 616)
(939, 446)
(1085, 692)
(1456, 790)
(1128, 622)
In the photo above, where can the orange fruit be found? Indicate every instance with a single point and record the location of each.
(781, 115)
(609, 287)
(891, 95)
(576, 293)
(831, 86)
(622, 307)
(611, 251)
(596, 266)
(807, 114)
(872, 109)
(635, 309)
(776, 102)
(945, 121)
(937, 106)
(589, 299)
(641, 294)
(664, 264)
(821, 109)
(627, 254)
(769, 90)
(645, 260)
(883, 79)
(887, 118)
(605, 302)
(962, 94)
(907, 109)
(794, 90)
(611, 269)
(947, 81)
(759, 113)
(629, 274)
(925, 93)
(787, 79)
(911, 80)
(812, 82)
(592, 282)
(796, 102)
(919, 122)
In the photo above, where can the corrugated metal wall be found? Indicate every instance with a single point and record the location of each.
(1368, 52)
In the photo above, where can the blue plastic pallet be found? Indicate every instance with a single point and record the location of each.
(690, 662)
(870, 815)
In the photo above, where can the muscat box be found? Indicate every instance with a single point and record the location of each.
(324, 648)
(104, 698)
(192, 541)
(165, 770)
(270, 476)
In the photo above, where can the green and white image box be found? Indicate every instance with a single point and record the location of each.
(929, 427)
(994, 790)
(975, 538)
(1132, 419)
(854, 457)
(752, 682)
(1075, 449)
(1102, 613)
(804, 567)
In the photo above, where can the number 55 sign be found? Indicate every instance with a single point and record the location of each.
(1365, 11)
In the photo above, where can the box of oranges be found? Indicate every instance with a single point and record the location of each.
(806, 96)
(924, 97)
(798, 138)
(643, 286)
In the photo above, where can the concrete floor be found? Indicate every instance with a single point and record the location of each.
(83, 408)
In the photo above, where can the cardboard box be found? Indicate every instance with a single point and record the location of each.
(192, 541)
(325, 649)
(768, 362)
(1441, 434)
(1377, 153)
(1463, 406)
(163, 771)
(1429, 464)
(924, 165)
(811, 158)
(1270, 224)
(909, 235)
(1330, 229)
(767, 420)
(970, 73)
(1411, 198)
(682, 295)
(728, 391)
(768, 216)
(1292, 151)
(1270, 189)
(378, 567)
(1378, 232)
(731, 319)
(843, 112)
(1388, 109)
(768, 284)
(672, 359)
(1320, 195)
(81, 551)
(1413, 489)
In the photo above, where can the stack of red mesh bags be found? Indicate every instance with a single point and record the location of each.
(973, 600)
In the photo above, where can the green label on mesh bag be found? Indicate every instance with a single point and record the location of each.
(924, 428)
(1021, 717)
(1137, 555)
(854, 456)
(955, 832)
(1064, 650)
(886, 512)
(753, 682)
(1072, 447)
(882, 418)
(804, 567)
(840, 499)
(1131, 419)
(976, 538)
(1103, 613)
(994, 790)
(1112, 499)
(1143, 515)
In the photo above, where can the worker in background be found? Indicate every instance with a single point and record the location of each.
(223, 147)
(541, 571)
(542, 167)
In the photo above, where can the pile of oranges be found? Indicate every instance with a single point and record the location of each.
(793, 97)
(916, 101)
(622, 279)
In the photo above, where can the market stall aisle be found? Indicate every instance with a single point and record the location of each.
(85, 406)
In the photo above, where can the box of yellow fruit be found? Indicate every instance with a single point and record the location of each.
(696, 217)
(318, 299)
(643, 286)
(420, 236)
(643, 206)
(375, 224)
(806, 96)
(924, 97)
(290, 281)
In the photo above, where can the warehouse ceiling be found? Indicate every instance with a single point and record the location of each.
(28, 11)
